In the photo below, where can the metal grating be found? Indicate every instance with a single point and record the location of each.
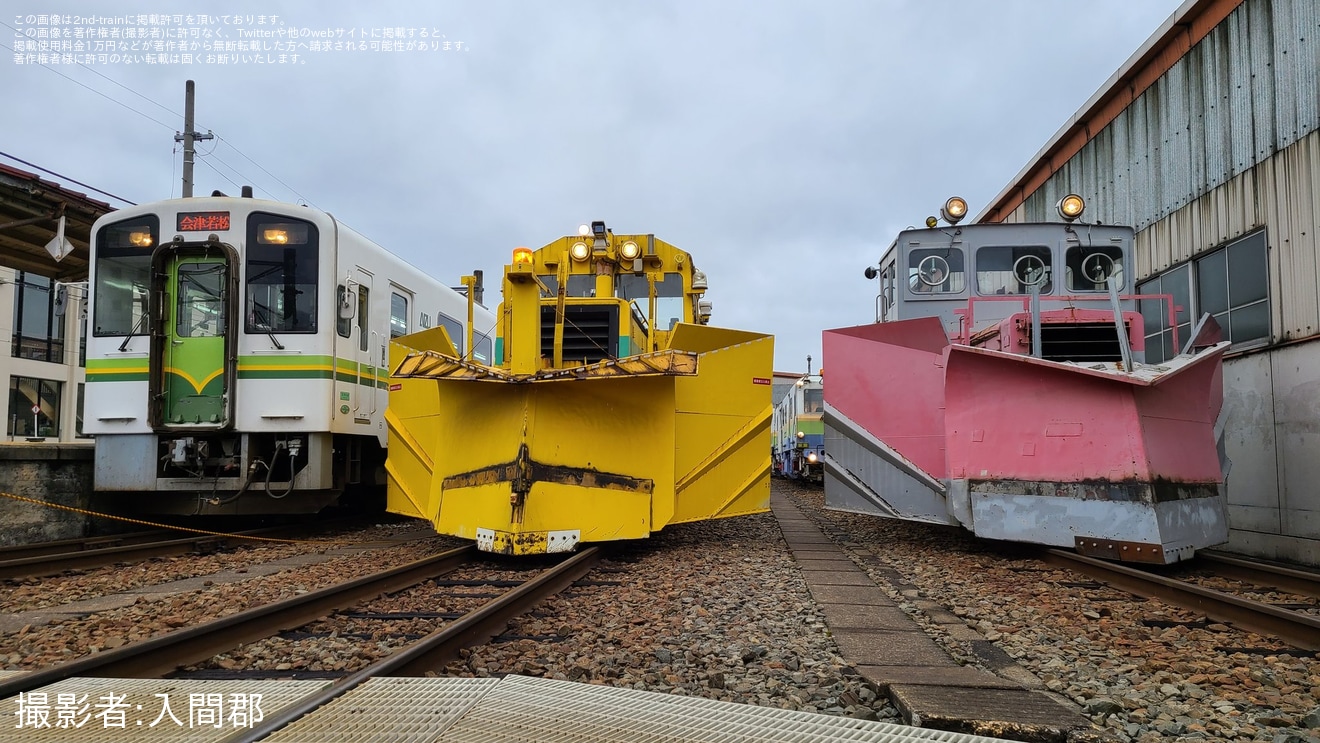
(530, 709)
(144, 708)
(399, 710)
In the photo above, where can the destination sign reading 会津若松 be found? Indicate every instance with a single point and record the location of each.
(202, 221)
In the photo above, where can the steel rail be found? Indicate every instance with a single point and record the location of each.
(42, 565)
(1292, 627)
(1292, 580)
(161, 655)
(440, 646)
(61, 546)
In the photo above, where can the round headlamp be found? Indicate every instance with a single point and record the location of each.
(580, 251)
(954, 209)
(1070, 207)
(630, 250)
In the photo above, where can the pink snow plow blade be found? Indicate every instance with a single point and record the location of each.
(1116, 464)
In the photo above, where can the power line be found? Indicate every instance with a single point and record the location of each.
(116, 82)
(167, 126)
(267, 172)
(207, 162)
(94, 90)
(67, 178)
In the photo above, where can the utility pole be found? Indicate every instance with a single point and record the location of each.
(188, 137)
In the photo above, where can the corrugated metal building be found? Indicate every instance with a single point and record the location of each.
(1208, 142)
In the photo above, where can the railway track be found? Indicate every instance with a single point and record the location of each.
(163, 655)
(60, 546)
(53, 558)
(1293, 627)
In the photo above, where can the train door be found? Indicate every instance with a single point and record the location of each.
(193, 380)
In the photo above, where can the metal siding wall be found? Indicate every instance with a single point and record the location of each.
(1306, 67)
(1121, 213)
(1213, 77)
(1293, 213)
(1261, 58)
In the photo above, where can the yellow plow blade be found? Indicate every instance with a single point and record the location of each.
(617, 450)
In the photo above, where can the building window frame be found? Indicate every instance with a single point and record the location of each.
(48, 398)
(1230, 282)
(38, 326)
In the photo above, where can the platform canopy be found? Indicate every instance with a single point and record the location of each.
(30, 211)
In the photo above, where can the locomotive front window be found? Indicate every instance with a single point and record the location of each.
(281, 274)
(201, 301)
(936, 271)
(123, 275)
(813, 400)
(579, 285)
(1014, 269)
(1089, 267)
(668, 296)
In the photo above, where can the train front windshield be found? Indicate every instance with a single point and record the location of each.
(668, 296)
(281, 275)
(123, 275)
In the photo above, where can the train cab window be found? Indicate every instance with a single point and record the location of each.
(123, 275)
(936, 271)
(813, 400)
(281, 274)
(398, 315)
(888, 282)
(343, 325)
(1014, 269)
(481, 352)
(457, 332)
(363, 305)
(200, 306)
(579, 285)
(1089, 267)
(668, 296)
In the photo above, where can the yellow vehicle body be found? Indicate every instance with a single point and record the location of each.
(612, 410)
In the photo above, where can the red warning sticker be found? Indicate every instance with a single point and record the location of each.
(760, 380)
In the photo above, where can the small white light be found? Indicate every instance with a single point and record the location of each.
(629, 250)
(584, 229)
(801, 435)
(811, 457)
(580, 251)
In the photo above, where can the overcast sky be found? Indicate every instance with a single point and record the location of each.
(783, 144)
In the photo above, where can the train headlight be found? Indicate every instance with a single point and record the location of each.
(954, 209)
(811, 457)
(630, 250)
(584, 230)
(275, 236)
(1070, 207)
(580, 251)
(140, 239)
(522, 256)
(801, 435)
